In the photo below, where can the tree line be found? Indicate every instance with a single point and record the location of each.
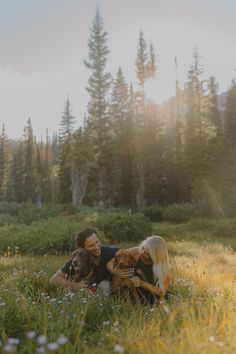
(130, 151)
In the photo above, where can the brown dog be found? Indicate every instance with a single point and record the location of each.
(124, 260)
(82, 263)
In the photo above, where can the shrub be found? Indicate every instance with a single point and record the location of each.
(54, 236)
(153, 212)
(217, 227)
(6, 219)
(10, 208)
(124, 227)
(179, 213)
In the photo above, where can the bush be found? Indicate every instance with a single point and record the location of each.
(217, 227)
(7, 219)
(179, 213)
(124, 227)
(153, 212)
(54, 236)
(10, 208)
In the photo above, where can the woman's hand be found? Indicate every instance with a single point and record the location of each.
(123, 273)
(136, 281)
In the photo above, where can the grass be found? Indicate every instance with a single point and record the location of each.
(200, 320)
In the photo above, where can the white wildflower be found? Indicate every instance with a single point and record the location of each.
(118, 348)
(211, 338)
(53, 346)
(40, 350)
(166, 309)
(41, 340)
(13, 341)
(9, 348)
(220, 344)
(106, 323)
(31, 334)
(62, 340)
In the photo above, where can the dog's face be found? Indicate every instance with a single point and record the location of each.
(82, 261)
(123, 259)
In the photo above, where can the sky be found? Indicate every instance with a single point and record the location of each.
(43, 44)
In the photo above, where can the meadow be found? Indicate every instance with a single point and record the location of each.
(35, 318)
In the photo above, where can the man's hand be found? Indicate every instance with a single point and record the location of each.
(123, 273)
(136, 281)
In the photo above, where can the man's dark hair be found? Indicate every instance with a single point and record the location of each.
(83, 235)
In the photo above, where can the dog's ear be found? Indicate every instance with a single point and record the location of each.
(76, 252)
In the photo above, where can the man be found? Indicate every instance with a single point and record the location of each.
(87, 239)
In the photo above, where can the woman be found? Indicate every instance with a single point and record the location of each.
(152, 269)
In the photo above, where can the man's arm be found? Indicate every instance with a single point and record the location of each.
(58, 280)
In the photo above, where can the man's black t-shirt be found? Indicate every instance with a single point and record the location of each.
(100, 270)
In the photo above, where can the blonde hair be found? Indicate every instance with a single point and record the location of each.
(158, 251)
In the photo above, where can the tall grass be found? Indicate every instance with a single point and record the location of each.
(200, 319)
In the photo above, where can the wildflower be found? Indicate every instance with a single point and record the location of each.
(220, 344)
(2, 303)
(30, 334)
(62, 340)
(53, 346)
(41, 340)
(9, 348)
(106, 323)
(211, 338)
(118, 348)
(166, 309)
(13, 341)
(40, 350)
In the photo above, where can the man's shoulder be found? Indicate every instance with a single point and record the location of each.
(108, 251)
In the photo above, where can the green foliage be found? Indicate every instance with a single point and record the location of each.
(11, 208)
(153, 212)
(54, 236)
(6, 219)
(218, 227)
(179, 213)
(125, 227)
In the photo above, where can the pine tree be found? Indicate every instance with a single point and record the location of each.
(47, 171)
(5, 160)
(122, 167)
(81, 158)
(99, 123)
(230, 115)
(30, 191)
(65, 154)
(213, 107)
(16, 183)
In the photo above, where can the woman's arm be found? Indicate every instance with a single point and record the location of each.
(58, 280)
(154, 289)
